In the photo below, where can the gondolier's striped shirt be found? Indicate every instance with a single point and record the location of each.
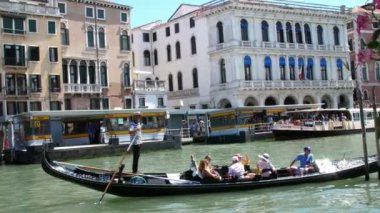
(135, 126)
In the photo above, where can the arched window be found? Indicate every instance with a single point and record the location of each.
(265, 31)
(170, 82)
(289, 33)
(91, 72)
(223, 78)
(124, 41)
(103, 74)
(169, 52)
(292, 69)
(364, 72)
(282, 64)
(244, 30)
(268, 68)
(377, 69)
(280, 32)
(247, 68)
(298, 33)
(155, 56)
(323, 65)
(83, 72)
(178, 50)
(90, 37)
(301, 71)
(73, 72)
(219, 26)
(308, 39)
(147, 58)
(179, 81)
(102, 38)
(64, 35)
(339, 65)
(193, 45)
(336, 36)
(309, 69)
(320, 35)
(127, 75)
(195, 78)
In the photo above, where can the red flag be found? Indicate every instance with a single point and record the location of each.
(300, 76)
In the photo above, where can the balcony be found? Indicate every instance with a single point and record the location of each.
(183, 93)
(82, 88)
(143, 87)
(15, 7)
(282, 85)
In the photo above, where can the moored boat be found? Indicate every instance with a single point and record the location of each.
(322, 123)
(157, 184)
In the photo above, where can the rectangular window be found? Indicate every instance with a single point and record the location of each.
(62, 8)
(11, 108)
(32, 23)
(35, 106)
(1, 83)
(35, 83)
(14, 55)
(176, 28)
(192, 22)
(101, 14)
(141, 102)
(54, 83)
(34, 53)
(146, 37)
(1, 109)
(105, 103)
(55, 105)
(22, 106)
(10, 83)
(51, 27)
(21, 84)
(13, 25)
(89, 12)
(53, 54)
(204, 106)
(154, 36)
(123, 17)
(128, 103)
(94, 103)
(160, 102)
(67, 104)
(167, 31)
(375, 24)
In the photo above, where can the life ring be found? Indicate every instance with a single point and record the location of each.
(137, 180)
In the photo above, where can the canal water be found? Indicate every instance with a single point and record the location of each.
(28, 189)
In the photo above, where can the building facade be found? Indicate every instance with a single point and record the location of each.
(367, 74)
(234, 53)
(96, 54)
(30, 57)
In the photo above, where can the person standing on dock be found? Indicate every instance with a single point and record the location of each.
(135, 133)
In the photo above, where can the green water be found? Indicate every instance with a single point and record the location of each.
(29, 189)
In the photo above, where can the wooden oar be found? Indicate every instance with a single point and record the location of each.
(118, 166)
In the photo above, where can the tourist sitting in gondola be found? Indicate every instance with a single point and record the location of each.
(207, 174)
(236, 170)
(265, 167)
(307, 164)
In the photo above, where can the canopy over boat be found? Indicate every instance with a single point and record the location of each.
(157, 184)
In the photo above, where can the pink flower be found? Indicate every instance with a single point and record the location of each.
(361, 21)
(364, 55)
(376, 3)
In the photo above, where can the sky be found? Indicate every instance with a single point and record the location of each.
(146, 11)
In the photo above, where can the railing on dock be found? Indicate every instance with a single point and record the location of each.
(183, 132)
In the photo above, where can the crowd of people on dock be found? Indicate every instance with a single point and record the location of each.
(239, 168)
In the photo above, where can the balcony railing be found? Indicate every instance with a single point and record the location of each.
(296, 84)
(149, 86)
(28, 8)
(183, 93)
(82, 88)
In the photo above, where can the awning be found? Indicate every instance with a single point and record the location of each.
(323, 62)
(292, 61)
(247, 60)
(300, 61)
(282, 61)
(267, 61)
(339, 62)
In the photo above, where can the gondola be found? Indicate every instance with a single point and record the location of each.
(158, 184)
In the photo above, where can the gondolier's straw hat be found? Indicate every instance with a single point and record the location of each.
(264, 156)
(138, 113)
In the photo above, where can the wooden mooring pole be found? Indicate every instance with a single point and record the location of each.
(364, 135)
(377, 129)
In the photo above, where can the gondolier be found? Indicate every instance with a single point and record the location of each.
(135, 133)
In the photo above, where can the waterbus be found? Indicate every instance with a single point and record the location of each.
(322, 122)
(243, 124)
